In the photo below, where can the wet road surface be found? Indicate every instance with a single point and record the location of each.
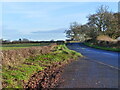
(92, 71)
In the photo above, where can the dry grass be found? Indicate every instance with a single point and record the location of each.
(105, 38)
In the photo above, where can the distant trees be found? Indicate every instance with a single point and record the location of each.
(1, 40)
(24, 40)
(4, 41)
(76, 31)
(73, 32)
(103, 22)
(20, 40)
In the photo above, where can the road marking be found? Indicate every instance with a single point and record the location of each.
(109, 54)
(104, 64)
(100, 52)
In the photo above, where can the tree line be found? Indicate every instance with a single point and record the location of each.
(24, 40)
(103, 22)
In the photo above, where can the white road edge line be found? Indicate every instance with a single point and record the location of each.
(104, 64)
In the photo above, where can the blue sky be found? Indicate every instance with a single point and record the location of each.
(45, 20)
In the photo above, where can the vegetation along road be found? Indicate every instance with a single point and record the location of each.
(98, 69)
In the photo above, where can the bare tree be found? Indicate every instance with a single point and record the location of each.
(101, 19)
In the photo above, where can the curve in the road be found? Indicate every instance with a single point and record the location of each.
(91, 71)
(101, 56)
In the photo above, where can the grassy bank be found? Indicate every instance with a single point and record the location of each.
(15, 76)
(23, 45)
(103, 48)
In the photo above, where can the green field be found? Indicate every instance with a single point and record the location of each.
(17, 46)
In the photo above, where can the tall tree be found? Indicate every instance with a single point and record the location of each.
(114, 26)
(101, 19)
(103, 22)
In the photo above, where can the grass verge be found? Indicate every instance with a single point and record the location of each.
(103, 48)
(17, 76)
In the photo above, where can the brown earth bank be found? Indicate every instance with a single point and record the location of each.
(106, 41)
(14, 57)
(48, 78)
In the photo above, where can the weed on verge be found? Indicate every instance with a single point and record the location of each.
(17, 76)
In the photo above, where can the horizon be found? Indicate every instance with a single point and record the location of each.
(45, 21)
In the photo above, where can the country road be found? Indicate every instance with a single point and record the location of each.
(98, 69)
(106, 57)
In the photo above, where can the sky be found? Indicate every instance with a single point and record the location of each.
(45, 20)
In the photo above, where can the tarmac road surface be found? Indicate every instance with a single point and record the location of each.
(98, 69)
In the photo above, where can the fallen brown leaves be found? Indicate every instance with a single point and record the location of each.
(50, 77)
